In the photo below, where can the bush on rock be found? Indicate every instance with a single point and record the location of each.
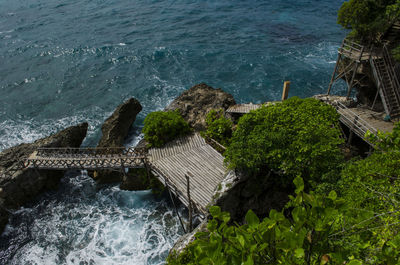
(161, 127)
(299, 137)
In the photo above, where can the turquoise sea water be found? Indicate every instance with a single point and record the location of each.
(64, 62)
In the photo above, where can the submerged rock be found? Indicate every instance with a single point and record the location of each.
(196, 102)
(114, 131)
(18, 186)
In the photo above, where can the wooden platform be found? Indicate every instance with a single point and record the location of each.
(360, 120)
(246, 108)
(190, 154)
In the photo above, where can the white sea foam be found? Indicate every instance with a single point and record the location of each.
(110, 226)
(14, 132)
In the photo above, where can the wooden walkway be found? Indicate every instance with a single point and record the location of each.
(361, 120)
(85, 158)
(189, 156)
(246, 108)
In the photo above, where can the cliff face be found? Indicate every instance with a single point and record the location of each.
(196, 102)
(21, 186)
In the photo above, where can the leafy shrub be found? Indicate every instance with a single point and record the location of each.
(161, 127)
(317, 232)
(219, 128)
(298, 136)
(386, 141)
(368, 18)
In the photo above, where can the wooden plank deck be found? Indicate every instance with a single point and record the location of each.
(246, 108)
(373, 118)
(243, 108)
(189, 154)
(359, 119)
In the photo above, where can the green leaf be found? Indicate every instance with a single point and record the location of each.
(299, 183)
(299, 253)
(215, 211)
(252, 219)
(240, 238)
(354, 262)
(332, 195)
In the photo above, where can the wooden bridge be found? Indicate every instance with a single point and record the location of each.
(189, 167)
(86, 158)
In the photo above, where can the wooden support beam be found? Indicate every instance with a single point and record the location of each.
(286, 87)
(173, 202)
(190, 225)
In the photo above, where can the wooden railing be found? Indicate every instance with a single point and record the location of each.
(85, 158)
(352, 120)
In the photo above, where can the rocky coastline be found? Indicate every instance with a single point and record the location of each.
(18, 187)
(236, 194)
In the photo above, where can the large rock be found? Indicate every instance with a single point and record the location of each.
(20, 186)
(239, 193)
(115, 129)
(196, 102)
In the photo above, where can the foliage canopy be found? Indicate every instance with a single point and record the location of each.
(298, 136)
(161, 127)
(368, 18)
(316, 232)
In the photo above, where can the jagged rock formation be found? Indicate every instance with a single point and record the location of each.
(196, 102)
(20, 186)
(114, 131)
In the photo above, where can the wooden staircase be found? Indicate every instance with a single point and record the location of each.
(393, 33)
(387, 82)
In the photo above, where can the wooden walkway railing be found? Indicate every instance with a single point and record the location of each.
(86, 158)
(354, 122)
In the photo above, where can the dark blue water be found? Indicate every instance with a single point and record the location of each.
(64, 62)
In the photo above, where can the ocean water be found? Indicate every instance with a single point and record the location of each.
(64, 62)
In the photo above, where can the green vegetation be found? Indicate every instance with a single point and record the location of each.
(299, 137)
(368, 18)
(317, 231)
(161, 127)
(219, 128)
(357, 222)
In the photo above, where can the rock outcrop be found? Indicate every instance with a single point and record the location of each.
(19, 186)
(196, 102)
(114, 131)
(335, 100)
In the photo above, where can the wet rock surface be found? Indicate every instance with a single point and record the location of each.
(18, 186)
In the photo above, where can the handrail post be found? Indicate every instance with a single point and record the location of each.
(189, 229)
